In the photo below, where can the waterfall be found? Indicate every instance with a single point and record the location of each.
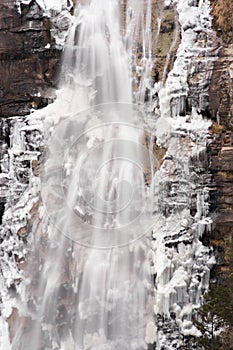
(113, 217)
(90, 271)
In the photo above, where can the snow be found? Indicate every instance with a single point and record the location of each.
(59, 13)
(168, 2)
(48, 5)
(181, 262)
(4, 335)
(191, 18)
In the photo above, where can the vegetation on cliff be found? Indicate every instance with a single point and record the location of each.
(214, 319)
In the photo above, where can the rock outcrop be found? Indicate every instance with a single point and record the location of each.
(29, 57)
(31, 40)
(221, 146)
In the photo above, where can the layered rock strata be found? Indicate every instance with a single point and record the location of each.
(221, 146)
(28, 59)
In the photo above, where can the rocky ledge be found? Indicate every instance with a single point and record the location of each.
(29, 56)
(221, 147)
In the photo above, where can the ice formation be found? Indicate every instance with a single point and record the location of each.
(173, 254)
(59, 13)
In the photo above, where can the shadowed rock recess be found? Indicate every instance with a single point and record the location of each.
(194, 169)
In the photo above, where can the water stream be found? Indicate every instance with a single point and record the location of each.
(91, 268)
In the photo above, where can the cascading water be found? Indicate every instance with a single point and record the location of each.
(87, 282)
(93, 285)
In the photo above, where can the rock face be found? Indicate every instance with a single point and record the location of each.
(166, 39)
(222, 11)
(29, 60)
(221, 147)
(30, 55)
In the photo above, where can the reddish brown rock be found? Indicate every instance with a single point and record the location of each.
(221, 88)
(221, 148)
(222, 11)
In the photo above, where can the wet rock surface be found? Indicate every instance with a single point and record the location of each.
(167, 36)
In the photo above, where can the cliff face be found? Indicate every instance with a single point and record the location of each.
(30, 58)
(31, 43)
(29, 55)
(221, 112)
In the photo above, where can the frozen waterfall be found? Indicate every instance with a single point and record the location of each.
(114, 259)
(97, 199)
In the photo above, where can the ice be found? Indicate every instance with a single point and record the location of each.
(106, 286)
(4, 335)
(113, 282)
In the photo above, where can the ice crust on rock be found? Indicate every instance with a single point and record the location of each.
(48, 5)
(59, 13)
(181, 261)
(193, 20)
